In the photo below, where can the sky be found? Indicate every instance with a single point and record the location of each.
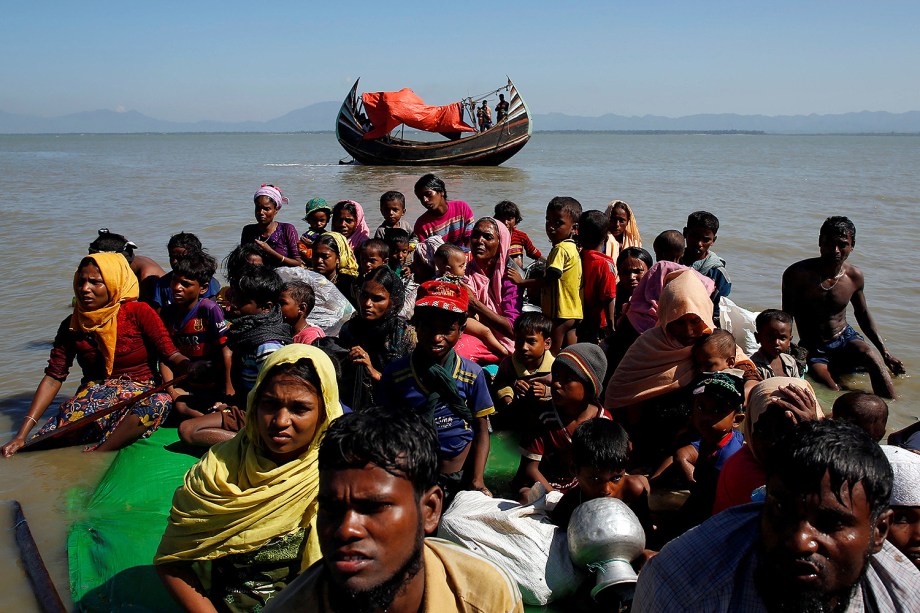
(237, 61)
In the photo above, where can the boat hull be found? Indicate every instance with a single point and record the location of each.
(489, 148)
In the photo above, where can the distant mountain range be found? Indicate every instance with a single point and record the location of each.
(320, 117)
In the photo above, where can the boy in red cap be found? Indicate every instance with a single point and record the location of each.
(449, 390)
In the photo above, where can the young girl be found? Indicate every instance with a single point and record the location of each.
(248, 505)
(377, 335)
(278, 240)
(623, 231)
(348, 220)
(334, 259)
(632, 265)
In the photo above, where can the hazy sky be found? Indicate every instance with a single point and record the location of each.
(228, 60)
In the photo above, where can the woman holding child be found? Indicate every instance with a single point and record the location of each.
(494, 299)
(109, 334)
(249, 505)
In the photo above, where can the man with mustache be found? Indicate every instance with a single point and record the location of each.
(378, 499)
(817, 543)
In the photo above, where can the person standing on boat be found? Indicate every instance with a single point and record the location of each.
(484, 114)
(816, 293)
(501, 109)
(117, 342)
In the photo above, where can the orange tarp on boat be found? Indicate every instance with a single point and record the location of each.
(386, 110)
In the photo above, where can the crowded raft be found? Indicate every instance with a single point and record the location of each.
(344, 388)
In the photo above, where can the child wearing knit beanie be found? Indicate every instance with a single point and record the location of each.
(577, 374)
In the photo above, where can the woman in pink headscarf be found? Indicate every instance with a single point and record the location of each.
(277, 239)
(348, 220)
(493, 298)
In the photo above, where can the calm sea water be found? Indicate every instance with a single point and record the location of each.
(771, 194)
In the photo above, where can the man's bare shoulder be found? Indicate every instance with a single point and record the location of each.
(803, 268)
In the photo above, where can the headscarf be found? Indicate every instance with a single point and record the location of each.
(236, 499)
(905, 464)
(348, 265)
(657, 363)
(385, 339)
(316, 204)
(631, 236)
(488, 287)
(362, 232)
(121, 283)
(643, 304)
(273, 193)
(762, 396)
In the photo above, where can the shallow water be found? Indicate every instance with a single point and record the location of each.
(771, 194)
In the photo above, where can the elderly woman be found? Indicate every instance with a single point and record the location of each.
(249, 505)
(109, 334)
(494, 299)
(774, 408)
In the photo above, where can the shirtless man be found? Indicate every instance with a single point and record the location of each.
(816, 293)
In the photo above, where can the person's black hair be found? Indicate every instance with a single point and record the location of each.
(839, 449)
(533, 322)
(375, 244)
(769, 315)
(302, 369)
(346, 205)
(110, 242)
(507, 210)
(704, 220)
(668, 245)
(391, 283)
(398, 441)
(424, 314)
(838, 226)
(258, 283)
(601, 444)
(432, 182)
(592, 229)
(197, 265)
(301, 292)
(632, 252)
(720, 340)
(238, 259)
(446, 250)
(867, 411)
(328, 240)
(567, 205)
(391, 195)
(394, 237)
(184, 240)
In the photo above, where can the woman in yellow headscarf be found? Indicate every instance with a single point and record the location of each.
(249, 505)
(623, 231)
(109, 334)
(334, 259)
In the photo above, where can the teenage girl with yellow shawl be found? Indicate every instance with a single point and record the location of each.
(249, 505)
(334, 259)
(109, 334)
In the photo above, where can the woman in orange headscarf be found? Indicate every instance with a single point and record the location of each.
(109, 334)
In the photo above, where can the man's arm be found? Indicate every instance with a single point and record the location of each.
(867, 324)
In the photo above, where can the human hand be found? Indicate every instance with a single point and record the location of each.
(894, 364)
(514, 276)
(539, 390)
(521, 386)
(686, 458)
(359, 356)
(12, 447)
(798, 405)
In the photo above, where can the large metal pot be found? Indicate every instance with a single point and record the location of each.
(605, 536)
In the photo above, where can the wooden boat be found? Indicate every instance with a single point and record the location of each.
(488, 148)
